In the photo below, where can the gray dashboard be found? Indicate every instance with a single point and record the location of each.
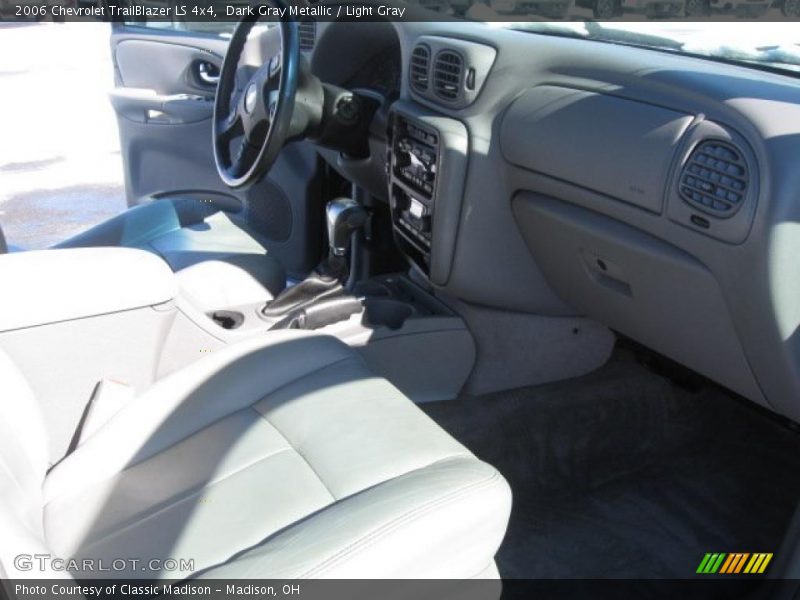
(580, 196)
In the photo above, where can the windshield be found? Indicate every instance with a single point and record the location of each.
(776, 45)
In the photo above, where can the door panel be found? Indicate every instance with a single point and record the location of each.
(168, 67)
(164, 103)
(143, 105)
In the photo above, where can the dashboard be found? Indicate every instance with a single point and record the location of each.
(655, 193)
(380, 74)
(356, 57)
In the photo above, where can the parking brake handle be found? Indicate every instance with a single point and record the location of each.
(320, 314)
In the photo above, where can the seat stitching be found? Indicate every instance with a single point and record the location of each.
(138, 519)
(131, 465)
(374, 535)
(300, 454)
(264, 417)
(242, 409)
(257, 546)
(299, 377)
(284, 436)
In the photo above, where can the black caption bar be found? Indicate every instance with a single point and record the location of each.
(254, 589)
(177, 11)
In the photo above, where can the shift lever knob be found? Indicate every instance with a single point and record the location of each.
(343, 216)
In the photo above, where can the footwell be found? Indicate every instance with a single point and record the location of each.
(624, 474)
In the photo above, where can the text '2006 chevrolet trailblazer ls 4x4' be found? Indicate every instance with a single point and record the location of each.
(448, 300)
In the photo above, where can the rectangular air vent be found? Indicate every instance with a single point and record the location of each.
(419, 70)
(715, 179)
(307, 31)
(447, 72)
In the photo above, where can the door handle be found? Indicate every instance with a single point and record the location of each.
(148, 106)
(207, 73)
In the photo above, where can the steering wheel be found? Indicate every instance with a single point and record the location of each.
(262, 114)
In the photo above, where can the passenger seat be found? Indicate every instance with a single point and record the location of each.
(279, 457)
(219, 261)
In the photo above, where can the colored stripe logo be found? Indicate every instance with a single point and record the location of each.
(734, 563)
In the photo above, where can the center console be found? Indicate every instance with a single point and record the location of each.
(396, 322)
(413, 164)
(426, 167)
(403, 333)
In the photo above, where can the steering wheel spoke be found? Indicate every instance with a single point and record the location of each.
(274, 66)
(230, 128)
(244, 158)
(272, 104)
(261, 114)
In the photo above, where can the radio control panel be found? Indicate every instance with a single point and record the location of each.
(413, 166)
(415, 156)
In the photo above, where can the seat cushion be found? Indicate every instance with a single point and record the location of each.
(220, 263)
(186, 234)
(231, 281)
(282, 456)
(219, 235)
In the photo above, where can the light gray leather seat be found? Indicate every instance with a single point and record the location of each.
(279, 457)
(188, 235)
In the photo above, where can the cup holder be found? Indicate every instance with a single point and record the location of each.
(227, 319)
(384, 312)
(371, 288)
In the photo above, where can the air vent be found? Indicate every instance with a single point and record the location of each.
(447, 75)
(307, 31)
(420, 67)
(715, 179)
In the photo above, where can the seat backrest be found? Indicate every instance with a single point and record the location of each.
(23, 466)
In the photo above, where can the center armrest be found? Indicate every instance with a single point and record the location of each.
(48, 286)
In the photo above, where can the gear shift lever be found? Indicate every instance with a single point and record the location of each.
(343, 216)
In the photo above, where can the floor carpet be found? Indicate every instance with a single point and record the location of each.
(624, 474)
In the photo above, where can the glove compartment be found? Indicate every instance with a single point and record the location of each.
(638, 285)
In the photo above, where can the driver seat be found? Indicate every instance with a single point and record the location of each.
(219, 261)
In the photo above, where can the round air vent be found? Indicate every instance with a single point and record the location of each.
(715, 178)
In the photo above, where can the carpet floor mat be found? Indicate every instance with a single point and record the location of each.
(624, 474)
